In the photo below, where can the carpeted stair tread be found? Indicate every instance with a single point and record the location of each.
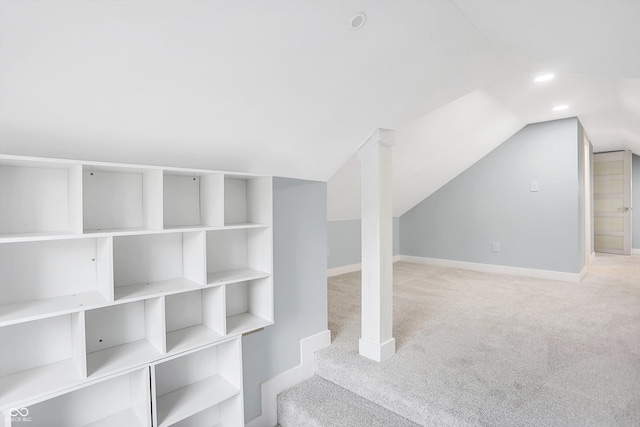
(317, 402)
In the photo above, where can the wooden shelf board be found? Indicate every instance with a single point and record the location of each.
(151, 289)
(121, 357)
(191, 337)
(245, 322)
(196, 397)
(37, 382)
(125, 418)
(234, 276)
(39, 309)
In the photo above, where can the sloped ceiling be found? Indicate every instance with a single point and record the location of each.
(280, 87)
(588, 46)
(289, 88)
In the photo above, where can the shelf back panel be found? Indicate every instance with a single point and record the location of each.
(237, 298)
(34, 200)
(235, 201)
(226, 250)
(183, 371)
(147, 258)
(38, 270)
(181, 201)
(33, 344)
(115, 325)
(183, 310)
(112, 200)
(93, 403)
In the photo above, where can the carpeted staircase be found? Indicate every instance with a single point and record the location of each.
(320, 403)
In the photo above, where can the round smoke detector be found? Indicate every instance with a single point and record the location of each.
(358, 20)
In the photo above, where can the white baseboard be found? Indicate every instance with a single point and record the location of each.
(501, 269)
(593, 257)
(276, 385)
(635, 251)
(580, 276)
(336, 271)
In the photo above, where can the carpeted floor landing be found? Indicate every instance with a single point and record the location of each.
(496, 350)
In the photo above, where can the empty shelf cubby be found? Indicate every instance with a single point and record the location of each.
(41, 357)
(40, 198)
(198, 381)
(238, 254)
(128, 404)
(45, 278)
(247, 200)
(125, 335)
(193, 200)
(194, 318)
(117, 198)
(249, 305)
(152, 264)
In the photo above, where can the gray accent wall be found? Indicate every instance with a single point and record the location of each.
(492, 202)
(635, 201)
(345, 242)
(300, 285)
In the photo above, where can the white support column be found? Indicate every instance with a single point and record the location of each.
(377, 342)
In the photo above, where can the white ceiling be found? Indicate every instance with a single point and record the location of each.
(289, 88)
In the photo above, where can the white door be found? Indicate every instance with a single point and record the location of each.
(612, 202)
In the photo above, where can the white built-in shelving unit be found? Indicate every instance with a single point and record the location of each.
(124, 290)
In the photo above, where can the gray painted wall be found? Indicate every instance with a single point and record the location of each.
(345, 238)
(635, 201)
(492, 202)
(300, 285)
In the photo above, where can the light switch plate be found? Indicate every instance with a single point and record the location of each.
(534, 186)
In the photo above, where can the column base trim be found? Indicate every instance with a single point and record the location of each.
(377, 352)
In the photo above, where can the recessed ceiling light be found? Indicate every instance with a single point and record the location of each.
(560, 107)
(544, 78)
(358, 20)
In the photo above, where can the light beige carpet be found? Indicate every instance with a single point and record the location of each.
(496, 350)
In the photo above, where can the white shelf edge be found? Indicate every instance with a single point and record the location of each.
(245, 322)
(50, 307)
(190, 338)
(88, 234)
(121, 357)
(37, 382)
(148, 290)
(234, 276)
(118, 166)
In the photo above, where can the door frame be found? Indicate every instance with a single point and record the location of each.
(627, 207)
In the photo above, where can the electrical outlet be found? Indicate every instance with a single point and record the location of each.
(328, 251)
(495, 247)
